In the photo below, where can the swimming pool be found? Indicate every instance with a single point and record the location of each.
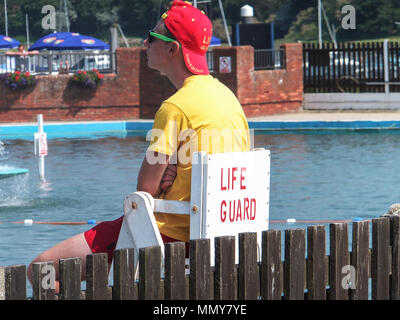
(314, 176)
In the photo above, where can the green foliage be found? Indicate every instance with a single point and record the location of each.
(293, 19)
(304, 28)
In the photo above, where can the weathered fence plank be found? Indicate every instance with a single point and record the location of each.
(315, 263)
(70, 278)
(360, 261)
(348, 275)
(248, 286)
(124, 275)
(380, 258)
(225, 276)
(43, 281)
(2, 283)
(174, 283)
(200, 271)
(395, 243)
(97, 277)
(338, 260)
(294, 266)
(13, 282)
(271, 286)
(149, 273)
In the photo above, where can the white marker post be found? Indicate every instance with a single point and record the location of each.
(41, 146)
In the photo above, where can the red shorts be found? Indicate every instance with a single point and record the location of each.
(103, 237)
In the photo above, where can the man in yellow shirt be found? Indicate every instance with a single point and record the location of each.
(203, 115)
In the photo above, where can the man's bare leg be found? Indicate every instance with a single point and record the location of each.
(74, 247)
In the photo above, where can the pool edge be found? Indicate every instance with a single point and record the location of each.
(93, 128)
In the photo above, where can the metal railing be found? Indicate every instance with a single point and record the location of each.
(266, 59)
(57, 62)
(210, 60)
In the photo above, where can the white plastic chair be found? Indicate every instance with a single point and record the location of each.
(229, 195)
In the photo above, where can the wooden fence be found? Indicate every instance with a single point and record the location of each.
(306, 272)
(350, 67)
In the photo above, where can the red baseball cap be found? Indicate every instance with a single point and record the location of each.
(193, 30)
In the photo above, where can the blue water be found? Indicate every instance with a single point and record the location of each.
(314, 176)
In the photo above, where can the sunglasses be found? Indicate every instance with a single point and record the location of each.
(151, 36)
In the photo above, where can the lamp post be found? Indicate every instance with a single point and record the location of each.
(5, 16)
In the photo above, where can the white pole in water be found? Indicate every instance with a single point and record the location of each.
(41, 146)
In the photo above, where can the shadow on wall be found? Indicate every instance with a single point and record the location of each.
(73, 93)
(10, 96)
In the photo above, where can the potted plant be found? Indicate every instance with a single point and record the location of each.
(17, 80)
(87, 79)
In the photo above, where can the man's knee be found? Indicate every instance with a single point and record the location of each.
(74, 247)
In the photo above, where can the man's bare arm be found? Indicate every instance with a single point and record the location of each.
(151, 175)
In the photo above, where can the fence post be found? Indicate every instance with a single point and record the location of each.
(114, 46)
(43, 281)
(70, 279)
(380, 258)
(395, 243)
(316, 267)
(271, 286)
(124, 274)
(360, 260)
(149, 272)
(97, 277)
(294, 266)
(225, 285)
(338, 260)
(199, 278)
(248, 280)
(386, 70)
(174, 283)
(13, 282)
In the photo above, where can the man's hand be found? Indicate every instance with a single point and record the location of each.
(168, 178)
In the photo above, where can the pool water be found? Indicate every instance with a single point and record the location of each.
(315, 175)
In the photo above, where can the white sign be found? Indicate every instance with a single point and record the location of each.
(237, 194)
(225, 65)
(41, 144)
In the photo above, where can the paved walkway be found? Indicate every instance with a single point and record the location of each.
(306, 115)
(332, 116)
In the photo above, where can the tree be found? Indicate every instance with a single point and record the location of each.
(304, 28)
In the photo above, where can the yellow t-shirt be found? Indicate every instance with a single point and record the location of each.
(204, 115)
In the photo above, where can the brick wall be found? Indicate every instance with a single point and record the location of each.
(137, 91)
(264, 92)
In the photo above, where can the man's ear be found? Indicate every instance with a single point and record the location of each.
(174, 48)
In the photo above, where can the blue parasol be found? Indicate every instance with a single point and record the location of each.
(8, 42)
(215, 41)
(68, 41)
